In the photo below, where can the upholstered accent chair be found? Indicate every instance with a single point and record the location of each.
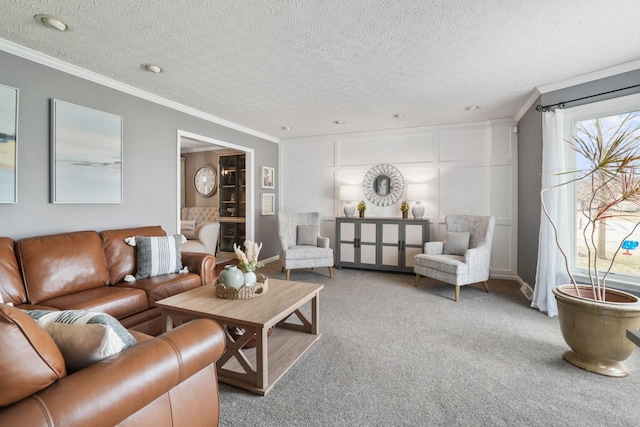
(463, 257)
(301, 245)
(201, 228)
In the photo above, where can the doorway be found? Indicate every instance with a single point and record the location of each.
(188, 142)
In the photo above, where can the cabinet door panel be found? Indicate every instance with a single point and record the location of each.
(347, 252)
(368, 254)
(390, 256)
(409, 253)
(368, 233)
(347, 231)
(390, 233)
(413, 234)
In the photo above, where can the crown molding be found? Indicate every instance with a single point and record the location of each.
(51, 62)
(528, 104)
(589, 77)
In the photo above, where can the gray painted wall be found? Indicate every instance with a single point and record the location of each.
(150, 156)
(530, 160)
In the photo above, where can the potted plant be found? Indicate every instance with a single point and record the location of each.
(404, 208)
(361, 208)
(593, 318)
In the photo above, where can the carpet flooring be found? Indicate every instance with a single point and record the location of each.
(392, 354)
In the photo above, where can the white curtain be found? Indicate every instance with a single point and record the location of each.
(551, 269)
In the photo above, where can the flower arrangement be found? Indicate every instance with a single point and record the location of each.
(404, 207)
(361, 206)
(248, 258)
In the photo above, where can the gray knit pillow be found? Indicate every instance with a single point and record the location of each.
(307, 235)
(456, 243)
(158, 255)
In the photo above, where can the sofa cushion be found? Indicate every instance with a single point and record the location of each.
(61, 264)
(84, 337)
(157, 255)
(307, 235)
(121, 258)
(456, 243)
(116, 302)
(160, 287)
(11, 286)
(25, 344)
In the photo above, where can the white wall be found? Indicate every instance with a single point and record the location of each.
(469, 168)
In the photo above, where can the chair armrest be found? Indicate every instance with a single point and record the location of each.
(106, 393)
(201, 264)
(323, 242)
(478, 260)
(284, 245)
(433, 248)
(208, 235)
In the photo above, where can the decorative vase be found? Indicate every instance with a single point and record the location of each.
(250, 278)
(361, 214)
(405, 214)
(417, 210)
(596, 330)
(232, 277)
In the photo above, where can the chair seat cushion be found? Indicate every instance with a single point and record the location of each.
(307, 252)
(451, 264)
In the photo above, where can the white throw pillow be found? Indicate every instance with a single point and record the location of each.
(84, 337)
(456, 243)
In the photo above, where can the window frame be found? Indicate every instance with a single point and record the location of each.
(572, 116)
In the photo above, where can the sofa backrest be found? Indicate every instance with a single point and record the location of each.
(120, 257)
(201, 214)
(31, 361)
(61, 264)
(11, 286)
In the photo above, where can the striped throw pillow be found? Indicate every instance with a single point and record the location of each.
(84, 337)
(158, 255)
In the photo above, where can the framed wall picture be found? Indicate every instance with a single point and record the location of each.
(86, 154)
(268, 204)
(8, 144)
(268, 177)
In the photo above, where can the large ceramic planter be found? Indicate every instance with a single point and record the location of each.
(595, 330)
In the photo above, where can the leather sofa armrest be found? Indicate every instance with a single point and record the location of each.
(202, 264)
(108, 392)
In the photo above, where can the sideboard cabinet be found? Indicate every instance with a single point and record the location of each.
(379, 243)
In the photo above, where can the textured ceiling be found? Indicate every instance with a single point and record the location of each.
(304, 64)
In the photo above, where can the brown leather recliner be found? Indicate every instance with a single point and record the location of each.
(169, 380)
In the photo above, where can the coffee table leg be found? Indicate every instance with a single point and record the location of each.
(262, 359)
(315, 315)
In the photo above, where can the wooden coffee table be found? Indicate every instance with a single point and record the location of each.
(254, 369)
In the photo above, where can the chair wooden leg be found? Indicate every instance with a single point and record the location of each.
(331, 272)
(288, 273)
(486, 287)
(417, 280)
(457, 293)
(282, 271)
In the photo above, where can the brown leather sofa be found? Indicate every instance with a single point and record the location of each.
(85, 270)
(169, 380)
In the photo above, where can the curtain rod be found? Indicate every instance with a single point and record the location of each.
(545, 108)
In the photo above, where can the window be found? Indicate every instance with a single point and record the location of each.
(604, 122)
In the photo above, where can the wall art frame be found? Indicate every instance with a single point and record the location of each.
(268, 177)
(268, 205)
(383, 185)
(86, 154)
(9, 99)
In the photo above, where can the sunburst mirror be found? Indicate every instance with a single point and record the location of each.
(383, 185)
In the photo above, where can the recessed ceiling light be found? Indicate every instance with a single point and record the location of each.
(338, 122)
(286, 128)
(398, 115)
(472, 107)
(51, 22)
(152, 68)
